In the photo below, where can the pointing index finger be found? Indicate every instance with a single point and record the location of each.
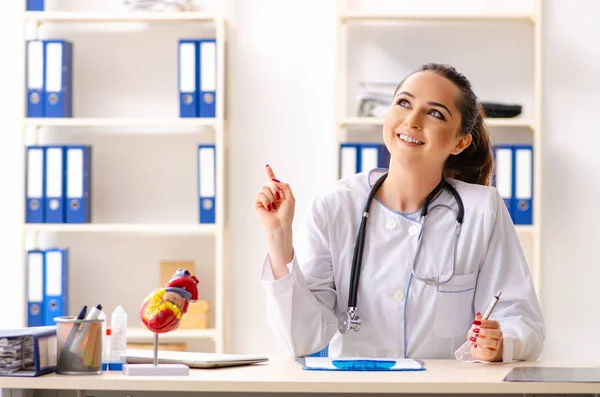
(269, 171)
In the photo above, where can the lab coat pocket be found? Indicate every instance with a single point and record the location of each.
(453, 306)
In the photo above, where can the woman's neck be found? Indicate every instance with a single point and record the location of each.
(405, 190)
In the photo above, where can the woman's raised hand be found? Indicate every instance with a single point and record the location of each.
(274, 207)
(274, 203)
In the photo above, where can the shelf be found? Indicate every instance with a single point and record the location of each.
(120, 122)
(130, 228)
(490, 122)
(143, 335)
(133, 16)
(524, 228)
(433, 16)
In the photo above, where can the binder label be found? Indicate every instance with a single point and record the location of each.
(208, 77)
(54, 276)
(35, 172)
(75, 174)
(35, 73)
(187, 75)
(207, 172)
(54, 69)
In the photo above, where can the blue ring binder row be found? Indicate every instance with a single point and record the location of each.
(197, 77)
(362, 157)
(49, 76)
(47, 285)
(513, 177)
(57, 184)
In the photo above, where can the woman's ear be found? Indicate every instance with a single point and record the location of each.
(463, 143)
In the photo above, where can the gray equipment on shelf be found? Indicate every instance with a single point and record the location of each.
(159, 5)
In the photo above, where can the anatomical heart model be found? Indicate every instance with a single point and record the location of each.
(162, 310)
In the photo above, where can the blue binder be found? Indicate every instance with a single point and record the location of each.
(78, 185)
(503, 174)
(56, 291)
(34, 184)
(522, 210)
(189, 70)
(35, 5)
(35, 76)
(58, 78)
(207, 50)
(362, 157)
(54, 201)
(42, 350)
(207, 182)
(35, 288)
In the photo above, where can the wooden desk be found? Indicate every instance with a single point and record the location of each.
(283, 375)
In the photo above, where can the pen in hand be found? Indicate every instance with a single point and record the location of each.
(487, 313)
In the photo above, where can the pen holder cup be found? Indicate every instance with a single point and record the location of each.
(79, 346)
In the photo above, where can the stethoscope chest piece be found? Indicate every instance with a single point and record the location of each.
(349, 320)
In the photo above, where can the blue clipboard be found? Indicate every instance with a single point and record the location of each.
(360, 364)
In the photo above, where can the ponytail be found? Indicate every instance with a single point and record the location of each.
(474, 164)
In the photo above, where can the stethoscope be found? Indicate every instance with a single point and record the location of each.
(349, 319)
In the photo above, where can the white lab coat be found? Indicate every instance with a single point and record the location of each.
(402, 316)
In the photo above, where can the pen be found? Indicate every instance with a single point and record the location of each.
(487, 313)
(82, 336)
(73, 333)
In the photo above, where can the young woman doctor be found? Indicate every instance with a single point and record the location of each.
(423, 283)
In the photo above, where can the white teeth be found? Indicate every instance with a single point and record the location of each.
(407, 138)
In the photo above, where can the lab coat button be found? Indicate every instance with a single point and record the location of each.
(398, 296)
(391, 224)
(413, 230)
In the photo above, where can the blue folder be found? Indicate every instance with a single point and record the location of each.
(28, 351)
(360, 364)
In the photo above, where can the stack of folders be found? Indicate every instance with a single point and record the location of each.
(35, 5)
(58, 182)
(362, 157)
(49, 78)
(197, 77)
(513, 177)
(207, 183)
(47, 291)
(28, 351)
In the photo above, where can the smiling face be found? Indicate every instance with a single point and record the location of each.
(422, 126)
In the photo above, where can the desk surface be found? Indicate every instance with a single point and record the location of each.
(285, 375)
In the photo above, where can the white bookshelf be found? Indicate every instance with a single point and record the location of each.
(351, 15)
(133, 16)
(114, 128)
(121, 122)
(367, 15)
(126, 228)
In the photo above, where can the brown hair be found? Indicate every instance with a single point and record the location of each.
(474, 164)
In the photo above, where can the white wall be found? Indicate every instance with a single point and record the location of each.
(280, 107)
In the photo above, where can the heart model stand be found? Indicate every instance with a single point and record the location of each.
(156, 369)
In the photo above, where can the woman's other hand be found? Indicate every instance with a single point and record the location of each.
(486, 339)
